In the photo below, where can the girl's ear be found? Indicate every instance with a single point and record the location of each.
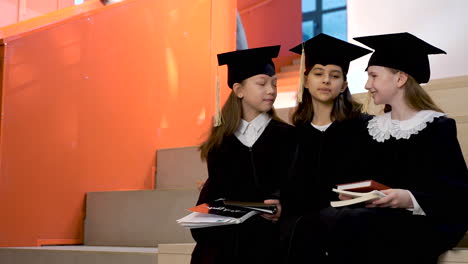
(402, 79)
(306, 84)
(237, 88)
(345, 85)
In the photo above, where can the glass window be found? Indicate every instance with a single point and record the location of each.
(324, 16)
(335, 24)
(308, 5)
(330, 4)
(307, 30)
(78, 2)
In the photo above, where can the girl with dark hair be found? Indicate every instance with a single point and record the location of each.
(327, 120)
(247, 155)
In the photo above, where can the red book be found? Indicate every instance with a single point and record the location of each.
(362, 186)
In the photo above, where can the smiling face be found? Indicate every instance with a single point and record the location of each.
(258, 93)
(325, 83)
(384, 85)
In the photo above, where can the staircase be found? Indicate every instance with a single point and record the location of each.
(127, 227)
(138, 227)
(288, 82)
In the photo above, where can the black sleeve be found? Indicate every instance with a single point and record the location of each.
(448, 168)
(209, 192)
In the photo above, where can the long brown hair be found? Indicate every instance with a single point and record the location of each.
(344, 106)
(231, 114)
(415, 96)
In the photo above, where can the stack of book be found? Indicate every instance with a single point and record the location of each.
(363, 191)
(223, 212)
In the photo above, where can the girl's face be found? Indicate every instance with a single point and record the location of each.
(325, 83)
(384, 85)
(258, 93)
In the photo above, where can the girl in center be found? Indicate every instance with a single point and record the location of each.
(247, 155)
(327, 120)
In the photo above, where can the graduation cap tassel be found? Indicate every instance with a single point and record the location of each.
(217, 119)
(301, 78)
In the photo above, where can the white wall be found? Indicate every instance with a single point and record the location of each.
(442, 23)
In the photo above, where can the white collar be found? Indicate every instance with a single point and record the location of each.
(383, 127)
(321, 128)
(258, 123)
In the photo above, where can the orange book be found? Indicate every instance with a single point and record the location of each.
(362, 186)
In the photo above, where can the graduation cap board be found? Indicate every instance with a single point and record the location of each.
(401, 51)
(324, 49)
(243, 64)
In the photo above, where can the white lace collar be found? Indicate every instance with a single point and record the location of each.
(382, 127)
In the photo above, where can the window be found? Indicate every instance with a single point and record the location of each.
(324, 16)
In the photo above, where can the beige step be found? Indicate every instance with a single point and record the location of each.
(78, 255)
(289, 74)
(181, 254)
(290, 68)
(175, 253)
(179, 168)
(455, 256)
(137, 218)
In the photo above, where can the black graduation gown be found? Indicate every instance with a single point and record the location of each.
(321, 159)
(244, 173)
(430, 164)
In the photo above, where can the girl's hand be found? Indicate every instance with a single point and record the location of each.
(276, 216)
(396, 198)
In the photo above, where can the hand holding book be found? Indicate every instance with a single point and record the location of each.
(359, 192)
(395, 198)
(275, 216)
(356, 197)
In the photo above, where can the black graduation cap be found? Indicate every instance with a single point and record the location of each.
(401, 51)
(324, 49)
(243, 64)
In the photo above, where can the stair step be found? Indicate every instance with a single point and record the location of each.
(179, 168)
(286, 75)
(78, 255)
(285, 100)
(137, 218)
(175, 253)
(289, 68)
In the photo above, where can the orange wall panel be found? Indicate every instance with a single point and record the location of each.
(272, 22)
(8, 12)
(87, 101)
(14, 11)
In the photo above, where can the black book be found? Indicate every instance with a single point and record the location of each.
(256, 206)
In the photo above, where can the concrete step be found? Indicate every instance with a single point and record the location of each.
(181, 254)
(455, 256)
(290, 68)
(175, 253)
(284, 103)
(78, 255)
(288, 74)
(179, 168)
(137, 218)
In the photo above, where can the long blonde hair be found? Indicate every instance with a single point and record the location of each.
(231, 114)
(415, 96)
